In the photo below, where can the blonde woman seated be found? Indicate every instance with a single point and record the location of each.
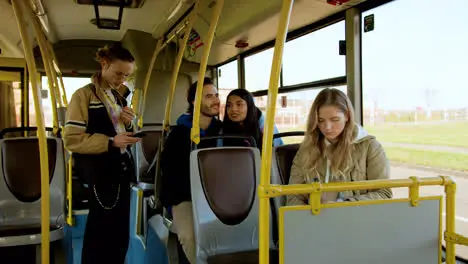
(336, 149)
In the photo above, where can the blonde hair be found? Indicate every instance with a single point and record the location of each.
(313, 146)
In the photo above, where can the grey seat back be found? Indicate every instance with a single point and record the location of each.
(20, 190)
(387, 233)
(225, 201)
(145, 152)
(282, 160)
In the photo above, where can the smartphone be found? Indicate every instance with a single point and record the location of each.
(139, 134)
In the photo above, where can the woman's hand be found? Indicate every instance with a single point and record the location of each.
(127, 115)
(122, 140)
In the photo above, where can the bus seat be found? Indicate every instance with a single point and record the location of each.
(282, 159)
(146, 151)
(224, 184)
(20, 191)
(18, 132)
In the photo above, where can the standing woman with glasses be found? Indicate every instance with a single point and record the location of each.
(98, 131)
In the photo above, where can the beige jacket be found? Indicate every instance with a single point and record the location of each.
(369, 163)
(88, 126)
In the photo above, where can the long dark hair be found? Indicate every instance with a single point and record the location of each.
(250, 126)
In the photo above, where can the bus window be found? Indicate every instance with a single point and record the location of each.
(71, 85)
(414, 93)
(10, 106)
(314, 56)
(293, 117)
(257, 70)
(227, 81)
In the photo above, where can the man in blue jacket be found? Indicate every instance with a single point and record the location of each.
(175, 162)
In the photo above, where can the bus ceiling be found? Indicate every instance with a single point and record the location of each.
(251, 21)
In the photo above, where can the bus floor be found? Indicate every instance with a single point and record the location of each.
(31, 254)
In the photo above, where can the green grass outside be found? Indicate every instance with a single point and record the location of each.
(453, 134)
(444, 160)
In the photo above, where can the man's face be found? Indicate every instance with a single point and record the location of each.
(210, 101)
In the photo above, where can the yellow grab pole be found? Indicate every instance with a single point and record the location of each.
(59, 74)
(264, 221)
(195, 132)
(450, 190)
(275, 190)
(69, 190)
(54, 70)
(25, 98)
(48, 67)
(140, 108)
(54, 77)
(178, 62)
(64, 93)
(44, 162)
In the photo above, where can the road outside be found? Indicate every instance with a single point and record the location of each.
(403, 172)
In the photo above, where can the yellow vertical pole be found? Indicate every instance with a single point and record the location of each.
(140, 102)
(177, 63)
(59, 74)
(54, 79)
(44, 162)
(64, 93)
(450, 191)
(26, 100)
(264, 220)
(195, 132)
(69, 190)
(47, 65)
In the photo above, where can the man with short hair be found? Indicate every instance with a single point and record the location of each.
(175, 162)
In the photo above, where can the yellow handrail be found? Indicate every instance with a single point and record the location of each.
(274, 190)
(141, 109)
(177, 63)
(54, 76)
(47, 66)
(264, 224)
(41, 134)
(64, 101)
(413, 183)
(450, 190)
(69, 191)
(64, 92)
(141, 100)
(195, 132)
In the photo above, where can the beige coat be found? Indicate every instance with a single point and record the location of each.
(369, 163)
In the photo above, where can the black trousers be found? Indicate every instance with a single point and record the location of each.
(106, 235)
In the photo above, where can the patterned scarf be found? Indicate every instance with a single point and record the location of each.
(110, 101)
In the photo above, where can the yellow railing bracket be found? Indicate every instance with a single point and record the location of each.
(450, 189)
(263, 192)
(456, 238)
(315, 198)
(414, 191)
